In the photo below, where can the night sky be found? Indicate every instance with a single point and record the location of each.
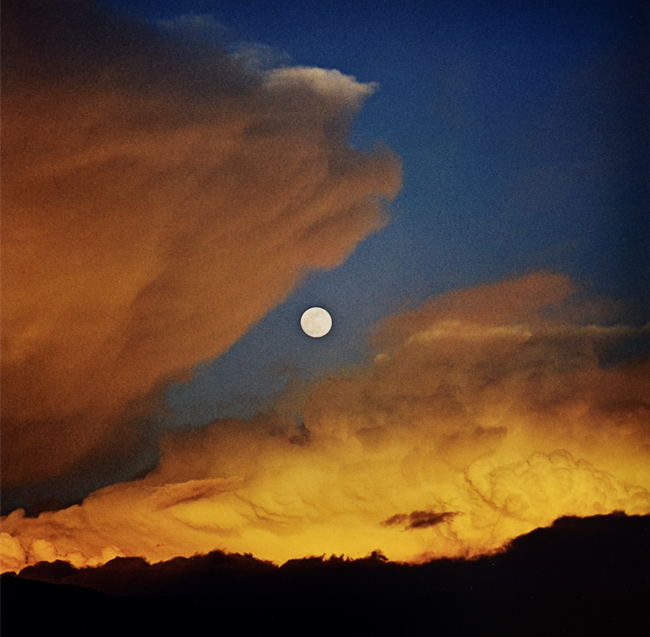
(464, 186)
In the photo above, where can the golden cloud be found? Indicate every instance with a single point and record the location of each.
(469, 429)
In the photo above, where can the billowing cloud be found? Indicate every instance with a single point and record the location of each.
(486, 414)
(158, 198)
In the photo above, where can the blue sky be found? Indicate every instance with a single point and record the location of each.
(523, 132)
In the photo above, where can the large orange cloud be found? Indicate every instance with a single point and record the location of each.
(486, 414)
(158, 198)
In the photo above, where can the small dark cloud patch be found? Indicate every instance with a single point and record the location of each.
(419, 519)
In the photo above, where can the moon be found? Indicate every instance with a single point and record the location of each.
(316, 322)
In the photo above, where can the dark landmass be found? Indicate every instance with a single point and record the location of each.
(579, 577)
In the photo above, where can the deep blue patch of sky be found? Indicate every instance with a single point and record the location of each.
(524, 133)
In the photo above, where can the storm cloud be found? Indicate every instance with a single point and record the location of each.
(158, 198)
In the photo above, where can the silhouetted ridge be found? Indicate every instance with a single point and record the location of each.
(579, 575)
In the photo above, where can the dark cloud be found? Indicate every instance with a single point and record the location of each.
(418, 519)
(158, 198)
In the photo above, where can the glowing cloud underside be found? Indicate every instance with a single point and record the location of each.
(485, 415)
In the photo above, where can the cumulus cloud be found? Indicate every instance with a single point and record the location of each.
(12, 554)
(158, 198)
(486, 414)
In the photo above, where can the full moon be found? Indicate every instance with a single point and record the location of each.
(316, 322)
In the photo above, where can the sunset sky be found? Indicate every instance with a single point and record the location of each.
(464, 186)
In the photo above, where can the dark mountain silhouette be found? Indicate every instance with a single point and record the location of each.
(577, 577)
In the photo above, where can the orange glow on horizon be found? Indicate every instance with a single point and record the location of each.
(459, 437)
